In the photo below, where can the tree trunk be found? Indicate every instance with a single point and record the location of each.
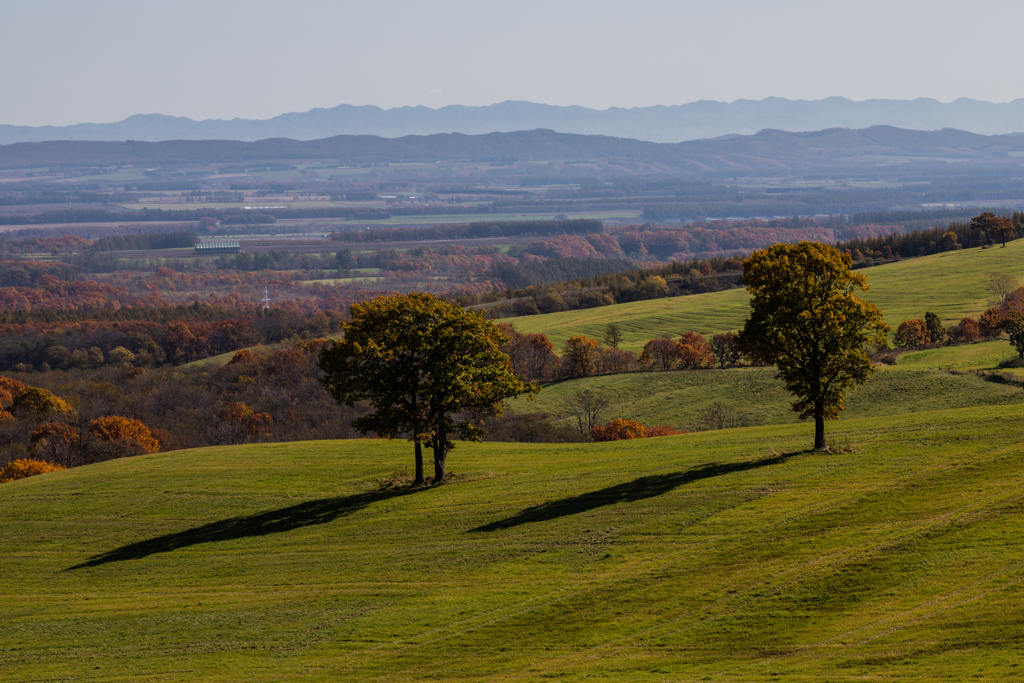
(819, 434)
(419, 463)
(440, 444)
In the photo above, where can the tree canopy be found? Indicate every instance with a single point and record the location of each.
(806, 321)
(420, 362)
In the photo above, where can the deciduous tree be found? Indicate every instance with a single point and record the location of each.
(964, 332)
(1013, 325)
(936, 332)
(613, 335)
(911, 334)
(661, 354)
(419, 361)
(114, 428)
(694, 352)
(585, 409)
(995, 227)
(806, 320)
(727, 353)
(578, 358)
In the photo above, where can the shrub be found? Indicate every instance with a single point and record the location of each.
(19, 469)
(618, 430)
(664, 430)
(720, 416)
(113, 428)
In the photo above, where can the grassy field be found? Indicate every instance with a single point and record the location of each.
(681, 398)
(980, 356)
(721, 556)
(953, 284)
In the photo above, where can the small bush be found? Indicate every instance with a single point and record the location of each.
(618, 430)
(721, 416)
(19, 469)
(664, 430)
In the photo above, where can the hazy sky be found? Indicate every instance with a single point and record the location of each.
(70, 61)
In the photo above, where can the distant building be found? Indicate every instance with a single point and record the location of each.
(218, 247)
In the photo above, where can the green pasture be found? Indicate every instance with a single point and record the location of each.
(734, 555)
(980, 356)
(952, 284)
(682, 397)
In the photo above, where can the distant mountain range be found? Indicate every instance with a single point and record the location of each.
(771, 150)
(693, 121)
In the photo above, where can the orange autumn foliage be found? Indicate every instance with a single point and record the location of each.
(243, 357)
(10, 387)
(19, 469)
(617, 430)
(53, 434)
(116, 428)
(255, 424)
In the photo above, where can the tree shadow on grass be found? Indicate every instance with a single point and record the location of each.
(306, 514)
(638, 489)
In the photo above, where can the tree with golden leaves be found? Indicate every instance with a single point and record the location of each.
(113, 428)
(39, 401)
(806, 321)
(579, 356)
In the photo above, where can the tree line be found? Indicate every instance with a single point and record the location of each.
(476, 229)
(159, 240)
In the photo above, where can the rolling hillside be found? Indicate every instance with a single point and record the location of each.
(723, 556)
(768, 150)
(704, 119)
(952, 284)
(681, 398)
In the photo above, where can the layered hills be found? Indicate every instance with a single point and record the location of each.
(769, 150)
(695, 120)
